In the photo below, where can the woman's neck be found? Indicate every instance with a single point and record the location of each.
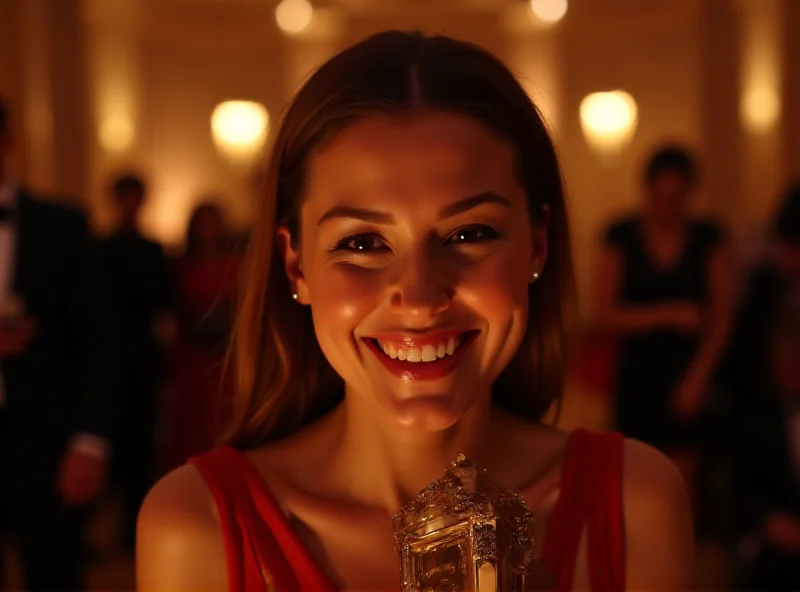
(386, 466)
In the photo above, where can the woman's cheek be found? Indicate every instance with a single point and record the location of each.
(344, 295)
(498, 285)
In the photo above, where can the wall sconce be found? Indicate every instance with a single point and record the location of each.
(239, 130)
(760, 64)
(608, 121)
(549, 11)
(294, 16)
(116, 133)
(760, 109)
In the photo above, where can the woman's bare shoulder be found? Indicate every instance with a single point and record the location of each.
(646, 466)
(179, 540)
(658, 524)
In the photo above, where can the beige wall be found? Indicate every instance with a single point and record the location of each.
(166, 68)
(69, 98)
(164, 64)
(10, 67)
(42, 76)
(603, 51)
(791, 76)
(188, 71)
(480, 25)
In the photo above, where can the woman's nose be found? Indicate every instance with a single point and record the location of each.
(422, 289)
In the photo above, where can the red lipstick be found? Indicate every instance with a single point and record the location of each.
(419, 370)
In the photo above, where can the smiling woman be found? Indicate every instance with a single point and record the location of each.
(408, 298)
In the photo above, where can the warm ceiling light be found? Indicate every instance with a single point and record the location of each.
(294, 16)
(239, 129)
(608, 121)
(549, 11)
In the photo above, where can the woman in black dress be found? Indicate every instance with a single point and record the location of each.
(760, 377)
(666, 291)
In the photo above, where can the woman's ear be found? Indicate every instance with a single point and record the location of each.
(539, 243)
(292, 264)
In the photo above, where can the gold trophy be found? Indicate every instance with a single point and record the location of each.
(465, 533)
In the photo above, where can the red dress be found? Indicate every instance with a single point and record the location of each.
(205, 295)
(256, 532)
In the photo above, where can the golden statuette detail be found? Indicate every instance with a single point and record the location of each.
(465, 533)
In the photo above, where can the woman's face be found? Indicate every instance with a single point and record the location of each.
(415, 256)
(669, 195)
(209, 230)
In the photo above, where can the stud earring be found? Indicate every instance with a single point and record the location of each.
(295, 296)
(535, 276)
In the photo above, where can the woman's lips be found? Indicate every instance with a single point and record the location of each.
(425, 356)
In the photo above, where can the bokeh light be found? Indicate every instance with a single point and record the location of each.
(293, 16)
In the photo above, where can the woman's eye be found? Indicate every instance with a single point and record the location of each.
(472, 234)
(361, 243)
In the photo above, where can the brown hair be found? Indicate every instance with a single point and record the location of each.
(284, 381)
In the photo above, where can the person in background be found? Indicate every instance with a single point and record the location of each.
(206, 278)
(761, 375)
(768, 461)
(747, 359)
(141, 287)
(665, 288)
(59, 380)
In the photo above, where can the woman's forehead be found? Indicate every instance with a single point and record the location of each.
(433, 151)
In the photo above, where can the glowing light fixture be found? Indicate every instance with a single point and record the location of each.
(760, 65)
(608, 121)
(760, 109)
(116, 133)
(239, 129)
(293, 16)
(549, 11)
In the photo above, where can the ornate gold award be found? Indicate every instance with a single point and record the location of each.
(465, 533)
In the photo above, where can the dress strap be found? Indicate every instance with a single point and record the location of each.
(255, 560)
(591, 498)
(307, 572)
(209, 466)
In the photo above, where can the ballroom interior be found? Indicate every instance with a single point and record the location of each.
(101, 86)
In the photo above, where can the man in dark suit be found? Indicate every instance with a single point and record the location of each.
(58, 380)
(140, 279)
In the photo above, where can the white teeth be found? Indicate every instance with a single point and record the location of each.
(389, 350)
(425, 353)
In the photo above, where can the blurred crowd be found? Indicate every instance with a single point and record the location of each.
(708, 370)
(112, 358)
(174, 317)
(113, 363)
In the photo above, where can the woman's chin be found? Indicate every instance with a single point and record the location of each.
(427, 414)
